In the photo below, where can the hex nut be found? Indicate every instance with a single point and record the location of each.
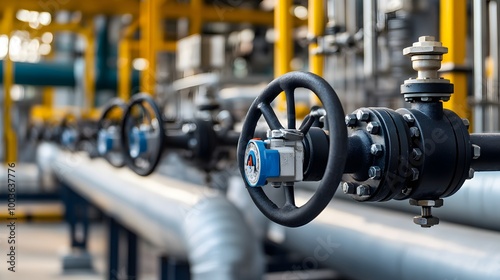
(348, 188)
(427, 202)
(414, 173)
(362, 115)
(373, 127)
(374, 172)
(416, 154)
(476, 151)
(376, 149)
(466, 123)
(351, 120)
(409, 118)
(426, 222)
(414, 132)
(363, 190)
(471, 173)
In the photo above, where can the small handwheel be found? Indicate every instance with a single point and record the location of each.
(289, 214)
(108, 133)
(142, 134)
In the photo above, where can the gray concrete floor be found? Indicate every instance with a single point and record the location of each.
(40, 248)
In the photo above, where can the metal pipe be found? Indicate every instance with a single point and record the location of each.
(369, 38)
(368, 243)
(58, 74)
(475, 204)
(489, 160)
(27, 178)
(183, 220)
(479, 20)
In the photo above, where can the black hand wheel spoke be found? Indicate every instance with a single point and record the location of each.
(147, 164)
(289, 214)
(272, 120)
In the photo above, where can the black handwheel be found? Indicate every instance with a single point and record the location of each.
(108, 134)
(289, 214)
(142, 142)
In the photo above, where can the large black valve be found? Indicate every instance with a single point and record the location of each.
(287, 156)
(145, 134)
(108, 132)
(423, 153)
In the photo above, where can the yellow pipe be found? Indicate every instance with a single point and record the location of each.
(150, 40)
(10, 143)
(89, 57)
(125, 61)
(453, 32)
(283, 45)
(316, 25)
(196, 19)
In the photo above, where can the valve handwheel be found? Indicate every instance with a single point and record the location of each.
(252, 153)
(108, 134)
(142, 142)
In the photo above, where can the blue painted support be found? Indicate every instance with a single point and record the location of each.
(113, 249)
(76, 214)
(132, 255)
(171, 269)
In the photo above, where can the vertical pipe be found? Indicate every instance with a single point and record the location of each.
(493, 89)
(283, 45)
(196, 16)
(124, 69)
(125, 61)
(90, 74)
(150, 37)
(369, 42)
(316, 25)
(453, 34)
(10, 143)
(479, 20)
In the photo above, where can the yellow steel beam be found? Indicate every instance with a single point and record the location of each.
(87, 7)
(453, 32)
(214, 13)
(10, 143)
(316, 25)
(169, 46)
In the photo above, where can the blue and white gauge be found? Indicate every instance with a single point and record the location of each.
(260, 163)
